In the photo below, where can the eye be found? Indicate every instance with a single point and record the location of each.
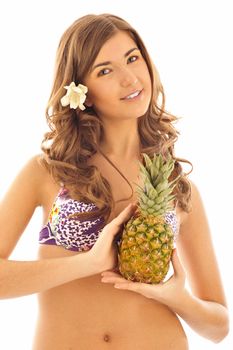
(132, 59)
(104, 71)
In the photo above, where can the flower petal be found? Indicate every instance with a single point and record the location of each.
(65, 101)
(83, 88)
(72, 85)
(82, 107)
(82, 98)
(74, 101)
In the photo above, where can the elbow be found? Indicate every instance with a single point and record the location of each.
(223, 330)
(221, 336)
(3, 284)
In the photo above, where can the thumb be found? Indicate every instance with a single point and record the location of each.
(124, 215)
(113, 227)
(178, 268)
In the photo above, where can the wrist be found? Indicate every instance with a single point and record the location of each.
(183, 302)
(95, 266)
(84, 264)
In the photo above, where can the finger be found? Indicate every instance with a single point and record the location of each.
(113, 279)
(125, 214)
(110, 274)
(113, 227)
(178, 268)
(127, 285)
(137, 287)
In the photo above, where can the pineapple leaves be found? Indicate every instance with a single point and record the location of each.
(162, 186)
(148, 161)
(155, 197)
(144, 173)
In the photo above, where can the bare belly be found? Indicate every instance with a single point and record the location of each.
(87, 314)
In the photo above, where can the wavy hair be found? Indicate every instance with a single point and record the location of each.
(75, 135)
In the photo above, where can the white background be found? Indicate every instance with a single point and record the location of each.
(191, 44)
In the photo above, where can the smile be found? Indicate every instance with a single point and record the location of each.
(133, 95)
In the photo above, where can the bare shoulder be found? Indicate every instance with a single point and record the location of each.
(195, 222)
(196, 204)
(33, 177)
(43, 180)
(26, 192)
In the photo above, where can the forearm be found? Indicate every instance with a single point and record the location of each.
(18, 278)
(207, 318)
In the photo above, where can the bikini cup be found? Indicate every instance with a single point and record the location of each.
(71, 233)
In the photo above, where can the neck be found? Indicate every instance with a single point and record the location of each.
(121, 140)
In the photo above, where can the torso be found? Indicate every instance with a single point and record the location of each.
(87, 314)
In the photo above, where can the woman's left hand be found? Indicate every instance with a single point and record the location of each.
(166, 292)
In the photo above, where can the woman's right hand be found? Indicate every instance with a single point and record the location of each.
(104, 251)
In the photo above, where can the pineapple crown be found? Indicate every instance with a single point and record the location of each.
(156, 197)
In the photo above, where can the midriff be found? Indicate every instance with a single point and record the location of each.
(87, 314)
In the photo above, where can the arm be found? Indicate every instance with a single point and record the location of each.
(209, 319)
(208, 310)
(205, 310)
(19, 278)
(16, 208)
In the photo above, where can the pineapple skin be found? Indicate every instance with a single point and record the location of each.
(146, 244)
(145, 249)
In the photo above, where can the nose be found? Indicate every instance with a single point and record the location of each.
(128, 77)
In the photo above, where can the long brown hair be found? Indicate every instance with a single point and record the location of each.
(75, 135)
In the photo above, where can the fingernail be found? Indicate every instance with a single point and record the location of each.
(116, 286)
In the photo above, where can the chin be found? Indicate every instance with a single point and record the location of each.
(142, 112)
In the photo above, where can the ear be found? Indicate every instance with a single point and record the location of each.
(88, 102)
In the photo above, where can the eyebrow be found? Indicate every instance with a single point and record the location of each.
(109, 62)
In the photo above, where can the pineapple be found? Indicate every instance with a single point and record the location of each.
(146, 244)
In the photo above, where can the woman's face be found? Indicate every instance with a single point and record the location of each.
(119, 84)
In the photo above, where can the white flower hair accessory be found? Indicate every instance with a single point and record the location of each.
(75, 96)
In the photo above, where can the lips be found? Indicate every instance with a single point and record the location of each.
(132, 95)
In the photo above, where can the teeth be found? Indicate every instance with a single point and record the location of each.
(133, 95)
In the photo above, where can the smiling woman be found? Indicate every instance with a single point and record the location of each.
(124, 81)
(85, 180)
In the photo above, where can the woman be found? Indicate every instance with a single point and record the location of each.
(103, 113)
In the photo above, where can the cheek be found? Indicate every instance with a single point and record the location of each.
(102, 102)
(148, 79)
(149, 86)
(146, 75)
(105, 96)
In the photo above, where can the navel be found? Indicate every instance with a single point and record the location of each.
(107, 338)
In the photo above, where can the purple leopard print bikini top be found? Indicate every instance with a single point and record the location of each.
(70, 233)
(78, 234)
